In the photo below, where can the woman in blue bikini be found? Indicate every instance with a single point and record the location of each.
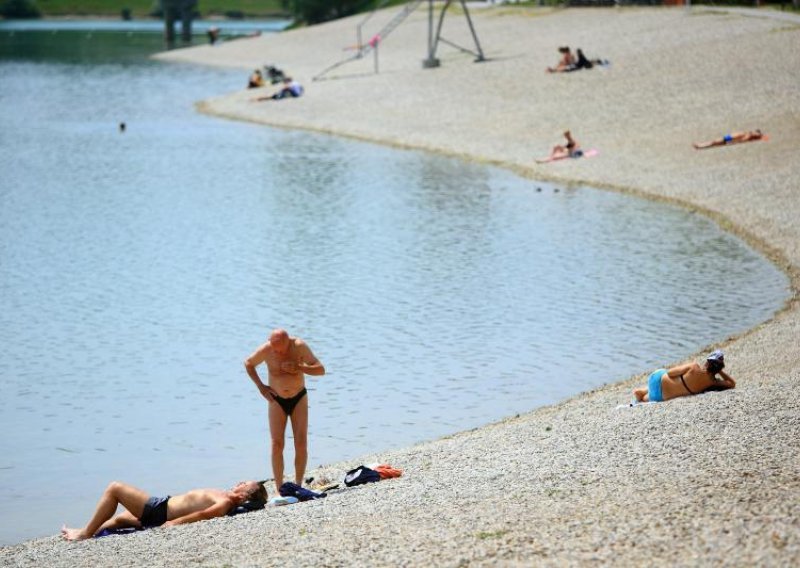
(732, 138)
(685, 380)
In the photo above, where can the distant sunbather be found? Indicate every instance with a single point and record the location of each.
(256, 80)
(291, 89)
(145, 511)
(732, 138)
(567, 62)
(685, 380)
(570, 150)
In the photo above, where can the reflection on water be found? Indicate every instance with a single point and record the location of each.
(137, 270)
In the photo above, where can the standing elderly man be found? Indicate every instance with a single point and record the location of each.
(288, 360)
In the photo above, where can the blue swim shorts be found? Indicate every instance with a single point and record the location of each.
(654, 386)
(727, 139)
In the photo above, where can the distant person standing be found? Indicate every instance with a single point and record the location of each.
(213, 34)
(288, 360)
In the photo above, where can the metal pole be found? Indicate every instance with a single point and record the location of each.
(431, 61)
(472, 30)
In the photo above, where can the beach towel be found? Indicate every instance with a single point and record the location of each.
(360, 475)
(110, 532)
(386, 471)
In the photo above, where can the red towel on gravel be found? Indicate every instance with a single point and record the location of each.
(386, 471)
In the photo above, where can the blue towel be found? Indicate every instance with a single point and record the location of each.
(246, 507)
(110, 532)
(289, 489)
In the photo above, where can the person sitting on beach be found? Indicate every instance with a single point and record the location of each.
(291, 88)
(144, 511)
(567, 62)
(256, 80)
(569, 150)
(213, 34)
(732, 138)
(685, 380)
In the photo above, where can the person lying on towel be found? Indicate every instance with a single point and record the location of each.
(144, 511)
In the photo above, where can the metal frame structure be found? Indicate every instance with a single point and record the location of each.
(434, 39)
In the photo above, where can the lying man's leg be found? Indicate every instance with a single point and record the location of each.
(130, 497)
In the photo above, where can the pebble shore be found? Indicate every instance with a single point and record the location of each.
(705, 480)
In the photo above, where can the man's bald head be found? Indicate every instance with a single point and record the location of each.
(279, 340)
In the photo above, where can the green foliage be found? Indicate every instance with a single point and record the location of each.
(19, 9)
(144, 8)
(316, 11)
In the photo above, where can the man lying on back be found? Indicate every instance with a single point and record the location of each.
(144, 511)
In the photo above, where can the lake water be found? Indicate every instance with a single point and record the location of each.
(139, 269)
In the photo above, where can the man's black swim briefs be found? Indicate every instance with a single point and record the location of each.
(288, 404)
(155, 512)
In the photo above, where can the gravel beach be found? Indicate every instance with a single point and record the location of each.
(705, 480)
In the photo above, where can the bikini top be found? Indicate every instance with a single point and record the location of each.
(686, 386)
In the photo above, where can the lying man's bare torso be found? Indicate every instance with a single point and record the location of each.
(196, 500)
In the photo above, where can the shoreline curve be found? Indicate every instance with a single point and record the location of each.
(698, 480)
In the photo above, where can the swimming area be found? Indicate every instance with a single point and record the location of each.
(137, 271)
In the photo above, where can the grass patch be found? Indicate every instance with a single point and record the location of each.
(143, 8)
(485, 535)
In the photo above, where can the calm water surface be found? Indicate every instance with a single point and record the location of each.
(137, 271)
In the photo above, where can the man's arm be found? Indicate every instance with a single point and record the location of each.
(259, 356)
(218, 509)
(308, 363)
